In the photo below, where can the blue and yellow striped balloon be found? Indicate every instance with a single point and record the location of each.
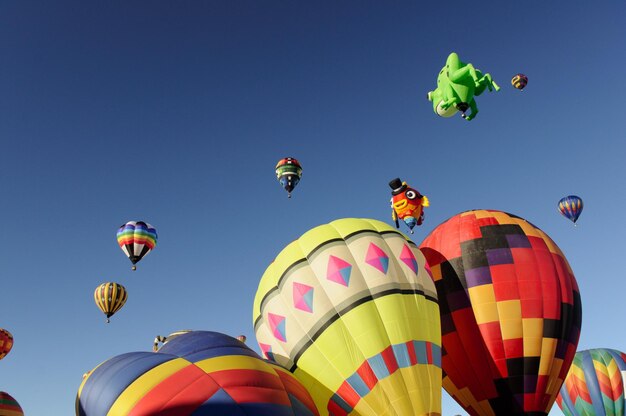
(571, 207)
(197, 373)
(351, 308)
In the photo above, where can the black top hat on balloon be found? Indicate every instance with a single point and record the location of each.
(397, 187)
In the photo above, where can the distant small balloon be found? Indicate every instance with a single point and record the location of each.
(6, 342)
(288, 173)
(110, 297)
(571, 207)
(242, 338)
(519, 81)
(136, 239)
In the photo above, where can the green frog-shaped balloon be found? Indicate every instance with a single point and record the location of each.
(457, 84)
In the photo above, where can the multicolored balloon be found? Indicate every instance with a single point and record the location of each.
(519, 81)
(9, 406)
(571, 207)
(595, 384)
(136, 239)
(288, 173)
(351, 309)
(6, 342)
(110, 297)
(196, 373)
(510, 312)
(407, 204)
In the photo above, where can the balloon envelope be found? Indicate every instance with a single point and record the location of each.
(571, 207)
(136, 239)
(199, 373)
(9, 406)
(6, 342)
(351, 309)
(288, 173)
(594, 385)
(510, 312)
(110, 297)
(519, 81)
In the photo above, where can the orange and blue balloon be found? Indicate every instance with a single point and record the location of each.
(571, 207)
(136, 239)
(594, 385)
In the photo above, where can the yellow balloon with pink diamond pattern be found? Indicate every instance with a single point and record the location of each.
(351, 309)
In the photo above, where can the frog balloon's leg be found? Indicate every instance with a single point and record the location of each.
(473, 108)
(449, 97)
(487, 81)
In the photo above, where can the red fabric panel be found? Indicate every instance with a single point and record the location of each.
(367, 374)
(182, 393)
(390, 359)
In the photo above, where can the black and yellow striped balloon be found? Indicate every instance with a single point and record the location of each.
(519, 81)
(110, 297)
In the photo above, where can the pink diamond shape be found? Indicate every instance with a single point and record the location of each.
(408, 258)
(303, 297)
(377, 258)
(338, 270)
(278, 326)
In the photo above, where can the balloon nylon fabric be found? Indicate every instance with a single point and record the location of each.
(9, 406)
(595, 384)
(198, 373)
(351, 309)
(136, 239)
(510, 312)
(6, 342)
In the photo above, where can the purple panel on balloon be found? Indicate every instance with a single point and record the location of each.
(499, 256)
(518, 241)
(478, 276)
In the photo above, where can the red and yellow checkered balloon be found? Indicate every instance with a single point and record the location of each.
(510, 312)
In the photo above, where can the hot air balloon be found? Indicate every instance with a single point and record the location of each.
(457, 85)
(407, 204)
(519, 81)
(197, 373)
(571, 207)
(9, 406)
(351, 310)
(160, 339)
(110, 297)
(136, 239)
(241, 338)
(6, 342)
(288, 173)
(510, 312)
(595, 384)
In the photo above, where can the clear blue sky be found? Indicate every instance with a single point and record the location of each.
(176, 113)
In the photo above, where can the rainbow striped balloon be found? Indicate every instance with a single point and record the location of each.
(6, 342)
(199, 373)
(136, 239)
(594, 385)
(9, 406)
